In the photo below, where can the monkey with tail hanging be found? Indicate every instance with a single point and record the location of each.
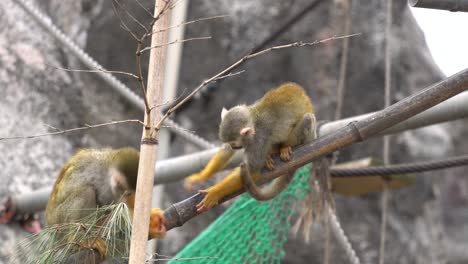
(282, 118)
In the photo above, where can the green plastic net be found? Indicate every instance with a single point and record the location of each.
(249, 231)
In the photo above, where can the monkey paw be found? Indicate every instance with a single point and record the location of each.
(208, 201)
(269, 163)
(97, 244)
(285, 153)
(192, 180)
(157, 229)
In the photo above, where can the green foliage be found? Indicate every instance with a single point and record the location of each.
(249, 231)
(55, 244)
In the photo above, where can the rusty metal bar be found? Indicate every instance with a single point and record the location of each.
(450, 5)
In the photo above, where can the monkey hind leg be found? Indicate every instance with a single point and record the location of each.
(96, 244)
(285, 153)
(304, 131)
(263, 193)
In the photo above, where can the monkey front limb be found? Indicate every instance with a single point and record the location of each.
(216, 164)
(230, 184)
(233, 183)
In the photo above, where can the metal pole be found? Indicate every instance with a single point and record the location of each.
(175, 169)
(450, 5)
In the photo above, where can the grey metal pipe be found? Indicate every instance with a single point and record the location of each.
(452, 109)
(175, 169)
(450, 5)
(169, 170)
(31, 202)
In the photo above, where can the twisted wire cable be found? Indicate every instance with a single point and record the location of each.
(342, 238)
(86, 59)
(402, 168)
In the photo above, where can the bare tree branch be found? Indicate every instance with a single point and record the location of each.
(173, 42)
(144, 8)
(94, 71)
(130, 15)
(123, 25)
(231, 74)
(190, 22)
(242, 60)
(63, 131)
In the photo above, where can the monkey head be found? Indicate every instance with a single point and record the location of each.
(236, 126)
(123, 171)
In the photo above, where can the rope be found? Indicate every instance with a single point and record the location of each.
(331, 217)
(344, 61)
(403, 168)
(86, 59)
(386, 139)
(326, 251)
(342, 238)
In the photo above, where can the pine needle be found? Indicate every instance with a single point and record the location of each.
(55, 244)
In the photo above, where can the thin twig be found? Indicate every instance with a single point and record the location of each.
(52, 127)
(144, 8)
(179, 97)
(231, 74)
(138, 54)
(141, 80)
(173, 42)
(130, 15)
(63, 131)
(123, 25)
(165, 8)
(242, 60)
(94, 71)
(189, 22)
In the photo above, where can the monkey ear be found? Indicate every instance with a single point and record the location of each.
(223, 113)
(247, 131)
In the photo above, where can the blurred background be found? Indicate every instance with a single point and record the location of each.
(427, 222)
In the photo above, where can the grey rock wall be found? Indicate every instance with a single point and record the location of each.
(427, 221)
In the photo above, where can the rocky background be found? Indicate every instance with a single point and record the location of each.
(428, 222)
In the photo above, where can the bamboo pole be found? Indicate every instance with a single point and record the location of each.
(148, 148)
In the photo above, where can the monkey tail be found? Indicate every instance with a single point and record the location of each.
(265, 193)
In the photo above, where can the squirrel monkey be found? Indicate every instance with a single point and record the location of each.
(93, 178)
(282, 118)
